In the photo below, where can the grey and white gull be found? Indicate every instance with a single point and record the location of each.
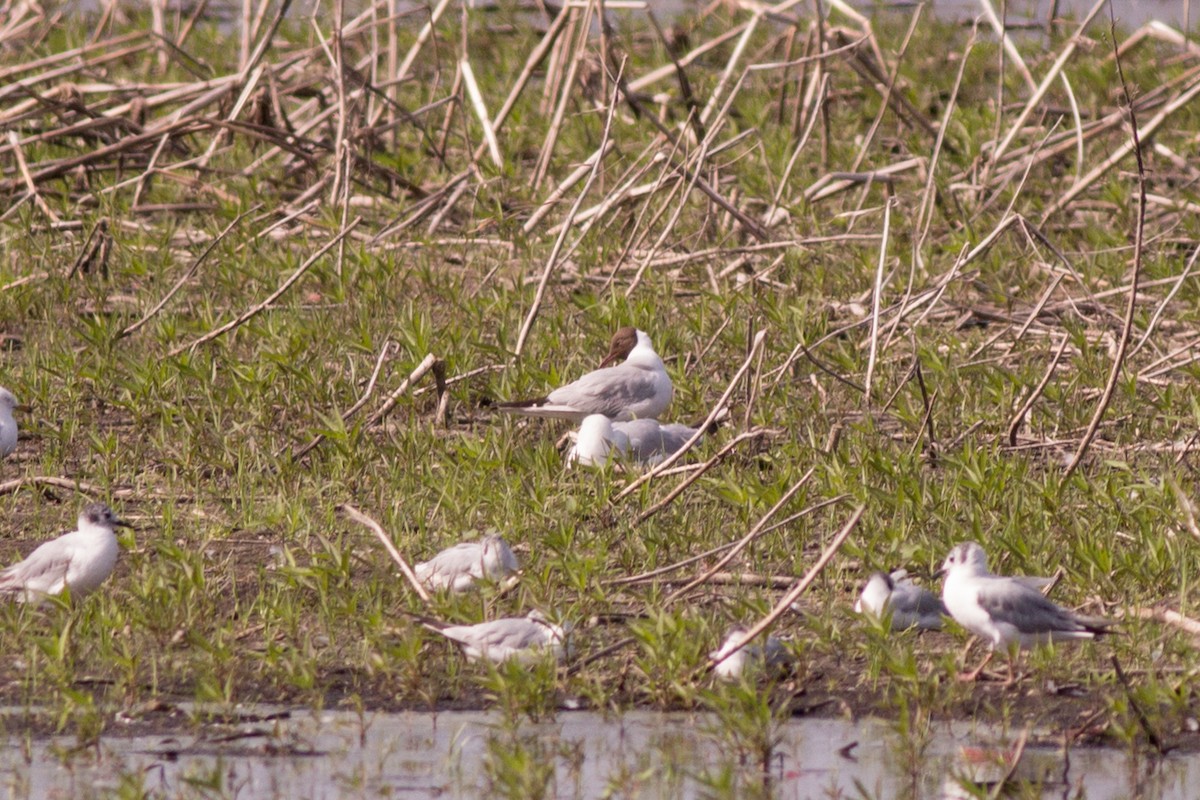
(526, 639)
(757, 657)
(636, 388)
(457, 568)
(78, 561)
(909, 605)
(1008, 613)
(8, 424)
(644, 442)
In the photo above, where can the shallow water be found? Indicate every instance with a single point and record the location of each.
(641, 754)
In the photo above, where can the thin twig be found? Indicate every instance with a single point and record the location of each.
(187, 275)
(793, 595)
(745, 540)
(283, 287)
(362, 519)
(1131, 306)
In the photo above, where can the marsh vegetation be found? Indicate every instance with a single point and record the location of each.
(256, 269)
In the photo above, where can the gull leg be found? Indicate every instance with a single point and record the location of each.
(1011, 680)
(968, 677)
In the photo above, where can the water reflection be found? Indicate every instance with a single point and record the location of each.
(578, 755)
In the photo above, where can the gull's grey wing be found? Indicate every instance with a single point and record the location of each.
(456, 560)
(650, 440)
(1010, 602)
(608, 391)
(910, 598)
(515, 633)
(44, 571)
(676, 435)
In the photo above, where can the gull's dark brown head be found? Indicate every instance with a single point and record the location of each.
(623, 342)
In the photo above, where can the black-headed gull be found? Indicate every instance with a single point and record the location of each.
(643, 441)
(8, 425)
(80, 560)
(457, 568)
(525, 639)
(1008, 613)
(910, 605)
(637, 388)
(769, 655)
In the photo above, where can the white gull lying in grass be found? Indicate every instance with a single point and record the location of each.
(526, 639)
(769, 655)
(909, 605)
(457, 568)
(642, 441)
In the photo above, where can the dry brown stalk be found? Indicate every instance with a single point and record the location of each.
(362, 519)
(869, 138)
(655, 573)
(785, 603)
(552, 261)
(187, 275)
(431, 362)
(876, 296)
(82, 487)
(1014, 427)
(565, 185)
(1167, 616)
(578, 49)
(742, 543)
(384, 352)
(1162, 306)
(283, 287)
(694, 475)
(1131, 307)
(536, 57)
(1040, 91)
(1120, 153)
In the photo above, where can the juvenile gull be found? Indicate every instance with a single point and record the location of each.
(8, 425)
(1008, 613)
(457, 568)
(636, 388)
(643, 441)
(770, 655)
(80, 560)
(526, 639)
(910, 605)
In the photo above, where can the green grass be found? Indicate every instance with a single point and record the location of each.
(243, 584)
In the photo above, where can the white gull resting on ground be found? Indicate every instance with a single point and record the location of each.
(1008, 613)
(8, 425)
(909, 605)
(643, 441)
(80, 560)
(637, 388)
(526, 639)
(457, 568)
(770, 655)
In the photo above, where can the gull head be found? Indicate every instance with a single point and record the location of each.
(595, 429)
(622, 344)
(98, 515)
(8, 402)
(876, 594)
(594, 442)
(497, 552)
(967, 558)
(558, 635)
(731, 666)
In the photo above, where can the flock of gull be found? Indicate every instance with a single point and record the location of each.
(617, 407)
